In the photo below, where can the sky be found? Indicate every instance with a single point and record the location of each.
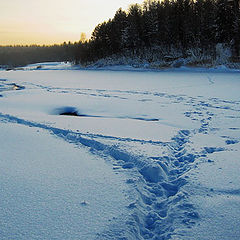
(53, 21)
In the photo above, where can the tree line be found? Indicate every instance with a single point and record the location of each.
(15, 56)
(149, 31)
(143, 30)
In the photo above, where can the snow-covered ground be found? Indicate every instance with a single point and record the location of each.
(89, 154)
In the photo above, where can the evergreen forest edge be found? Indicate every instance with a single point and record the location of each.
(199, 33)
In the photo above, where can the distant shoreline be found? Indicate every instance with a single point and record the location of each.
(120, 67)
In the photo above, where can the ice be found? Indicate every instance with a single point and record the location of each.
(119, 153)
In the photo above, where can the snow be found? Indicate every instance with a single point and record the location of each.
(106, 66)
(49, 66)
(119, 154)
(46, 183)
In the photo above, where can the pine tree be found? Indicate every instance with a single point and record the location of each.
(133, 34)
(236, 27)
(119, 24)
(225, 20)
(150, 23)
(205, 29)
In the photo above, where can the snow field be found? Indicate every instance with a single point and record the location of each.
(158, 131)
(53, 190)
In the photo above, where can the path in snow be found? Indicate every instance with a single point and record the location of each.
(195, 119)
(52, 190)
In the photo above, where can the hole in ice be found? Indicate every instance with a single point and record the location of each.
(68, 111)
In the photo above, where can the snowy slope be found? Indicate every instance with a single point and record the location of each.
(119, 155)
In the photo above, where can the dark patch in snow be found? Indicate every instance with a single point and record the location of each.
(17, 87)
(84, 203)
(210, 161)
(234, 128)
(10, 86)
(145, 100)
(68, 111)
(70, 114)
(146, 119)
(72, 111)
(229, 142)
(128, 165)
(213, 149)
(132, 205)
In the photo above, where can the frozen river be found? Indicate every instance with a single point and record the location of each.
(119, 155)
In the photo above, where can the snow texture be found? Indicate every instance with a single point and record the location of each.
(119, 154)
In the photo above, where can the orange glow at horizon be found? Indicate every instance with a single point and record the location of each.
(53, 21)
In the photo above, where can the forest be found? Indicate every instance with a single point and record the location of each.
(17, 56)
(155, 31)
(167, 30)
